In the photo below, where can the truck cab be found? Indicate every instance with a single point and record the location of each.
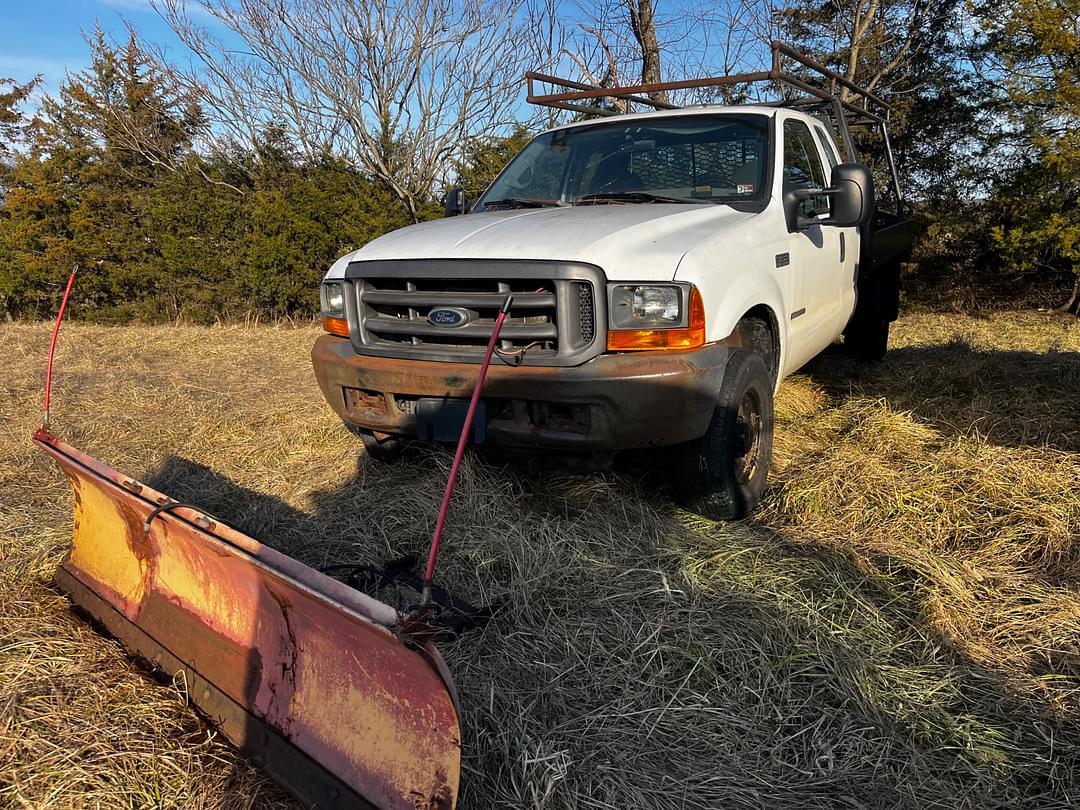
(668, 269)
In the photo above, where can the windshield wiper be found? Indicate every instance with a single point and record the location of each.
(518, 202)
(632, 197)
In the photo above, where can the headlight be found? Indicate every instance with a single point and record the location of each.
(655, 316)
(644, 306)
(332, 297)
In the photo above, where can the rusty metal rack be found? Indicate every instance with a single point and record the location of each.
(825, 98)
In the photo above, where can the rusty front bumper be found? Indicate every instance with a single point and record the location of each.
(313, 679)
(613, 402)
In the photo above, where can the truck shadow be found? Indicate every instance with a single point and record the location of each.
(342, 526)
(1010, 398)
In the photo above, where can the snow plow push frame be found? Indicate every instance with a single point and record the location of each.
(343, 699)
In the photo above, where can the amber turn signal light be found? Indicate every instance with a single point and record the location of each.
(336, 326)
(690, 337)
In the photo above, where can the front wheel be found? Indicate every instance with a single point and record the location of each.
(722, 475)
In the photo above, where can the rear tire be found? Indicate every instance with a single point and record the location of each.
(723, 474)
(385, 450)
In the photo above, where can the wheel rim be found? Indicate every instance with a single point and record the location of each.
(748, 437)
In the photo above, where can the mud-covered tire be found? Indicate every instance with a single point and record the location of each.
(756, 336)
(723, 474)
(386, 450)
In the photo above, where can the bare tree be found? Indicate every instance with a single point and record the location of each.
(394, 86)
(722, 39)
(598, 47)
(616, 43)
(891, 30)
(545, 41)
(868, 41)
(643, 25)
(622, 40)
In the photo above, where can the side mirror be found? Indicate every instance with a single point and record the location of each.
(851, 200)
(455, 202)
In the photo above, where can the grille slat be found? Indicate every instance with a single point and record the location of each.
(480, 331)
(456, 299)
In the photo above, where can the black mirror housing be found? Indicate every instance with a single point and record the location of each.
(454, 204)
(853, 203)
(851, 200)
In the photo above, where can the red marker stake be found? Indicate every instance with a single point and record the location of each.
(52, 345)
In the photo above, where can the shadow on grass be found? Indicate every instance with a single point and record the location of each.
(1011, 398)
(344, 522)
(650, 659)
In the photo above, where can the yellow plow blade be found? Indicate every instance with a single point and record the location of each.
(315, 681)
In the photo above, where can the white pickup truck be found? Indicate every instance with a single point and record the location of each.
(668, 270)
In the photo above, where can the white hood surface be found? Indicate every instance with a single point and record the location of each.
(641, 241)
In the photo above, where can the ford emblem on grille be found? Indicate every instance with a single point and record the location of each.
(448, 316)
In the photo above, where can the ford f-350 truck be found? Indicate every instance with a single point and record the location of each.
(668, 270)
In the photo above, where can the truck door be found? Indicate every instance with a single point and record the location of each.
(816, 284)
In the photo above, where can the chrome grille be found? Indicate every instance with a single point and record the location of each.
(396, 311)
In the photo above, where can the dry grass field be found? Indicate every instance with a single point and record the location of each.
(898, 627)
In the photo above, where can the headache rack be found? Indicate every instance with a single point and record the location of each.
(843, 102)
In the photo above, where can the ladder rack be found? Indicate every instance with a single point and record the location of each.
(857, 107)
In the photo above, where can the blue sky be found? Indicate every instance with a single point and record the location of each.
(45, 36)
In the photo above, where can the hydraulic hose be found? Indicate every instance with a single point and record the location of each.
(436, 538)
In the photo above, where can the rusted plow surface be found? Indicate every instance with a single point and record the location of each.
(312, 679)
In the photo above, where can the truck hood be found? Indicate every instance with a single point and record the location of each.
(629, 242)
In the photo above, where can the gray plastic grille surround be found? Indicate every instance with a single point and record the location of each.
(574, 341)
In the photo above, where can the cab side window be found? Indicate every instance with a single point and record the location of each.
(802, 166)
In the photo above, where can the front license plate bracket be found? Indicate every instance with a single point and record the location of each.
(441, 419)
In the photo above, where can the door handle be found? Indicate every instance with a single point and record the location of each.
(843, 249)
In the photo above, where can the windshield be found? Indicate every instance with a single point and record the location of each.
(685, 159)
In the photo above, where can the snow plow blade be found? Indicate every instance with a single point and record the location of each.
(311, 679)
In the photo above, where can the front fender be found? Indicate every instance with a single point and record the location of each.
(730, 288)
